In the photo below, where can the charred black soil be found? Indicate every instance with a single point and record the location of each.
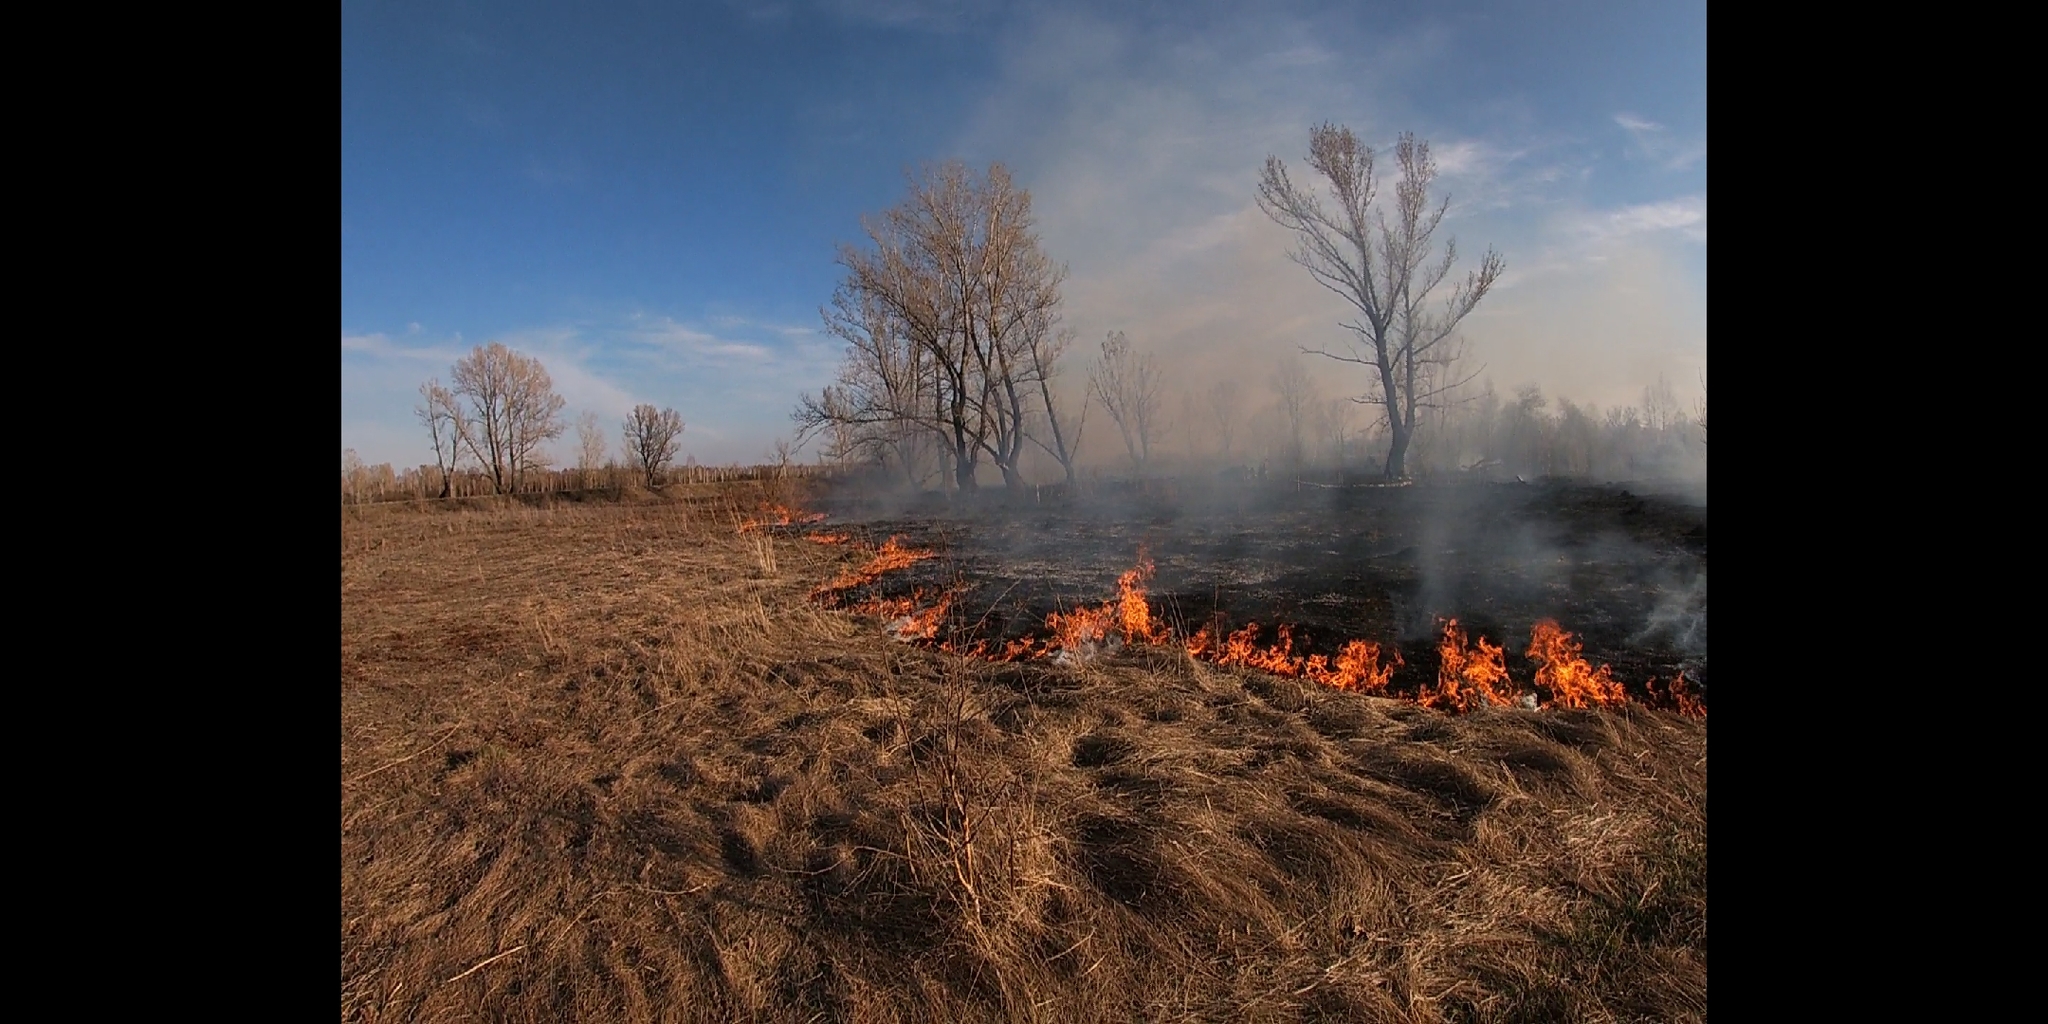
(1624, 571)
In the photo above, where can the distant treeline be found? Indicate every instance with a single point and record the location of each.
(363, 484)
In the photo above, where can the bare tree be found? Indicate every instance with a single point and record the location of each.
(1226, 404)
(590, 446)
(442, 417)
(1700, 411)
(652, 437)
(511, 408)
(879, 410)
(351, 475)
(1066, 445)
(1383, 267)
(951, 319)
(1297, 395)
(1336, 424)
(1660, 405)
(1127, 383)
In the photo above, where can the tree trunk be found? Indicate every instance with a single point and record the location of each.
(1397, 452)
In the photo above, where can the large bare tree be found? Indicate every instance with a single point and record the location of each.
(1386, 267)
(506, 407)
(951, 317)
(1127, 383)
(652, 436)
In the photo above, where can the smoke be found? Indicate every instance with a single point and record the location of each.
(1142, 146)
(1679, 617)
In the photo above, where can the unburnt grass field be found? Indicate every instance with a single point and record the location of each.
(612, 761)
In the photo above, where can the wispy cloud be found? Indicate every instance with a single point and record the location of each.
(667, 334)
(1655, 142)
(1686, 215)
(559, 170)
(924, 15)
(381, 346)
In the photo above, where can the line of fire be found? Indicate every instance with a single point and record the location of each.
(1458, 670)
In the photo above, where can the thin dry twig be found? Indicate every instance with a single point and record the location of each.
(486, 963)
(402, 760)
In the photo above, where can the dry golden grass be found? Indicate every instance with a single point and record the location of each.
(607, 762)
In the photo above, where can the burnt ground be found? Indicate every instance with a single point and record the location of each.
(1623, 570)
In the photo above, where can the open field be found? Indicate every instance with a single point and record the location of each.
(613, 761)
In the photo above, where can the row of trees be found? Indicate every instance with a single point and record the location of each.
(1286, 421)
(501, 408)
(363, 483)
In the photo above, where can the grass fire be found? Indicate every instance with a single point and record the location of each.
(689, 758)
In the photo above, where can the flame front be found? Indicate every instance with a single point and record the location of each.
(909, 618)
(1680, 697)
(923, 624)
(780, 515)
(1358, 665)
(1471, 673)
(890, 557)
(1572, 682)
(1468, 678)
(1128, 618)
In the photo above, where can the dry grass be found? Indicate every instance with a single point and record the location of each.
(607, 762)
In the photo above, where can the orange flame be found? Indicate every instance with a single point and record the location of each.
(923, 624)
(908, 621)
(885, 608)
(1571, 681)
(1127, 617)
(1467, 678)
(1357, 667)
(827, 538)
(889, 558)
(1681, 699)
(780, 515)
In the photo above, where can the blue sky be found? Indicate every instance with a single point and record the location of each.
(649, 197)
